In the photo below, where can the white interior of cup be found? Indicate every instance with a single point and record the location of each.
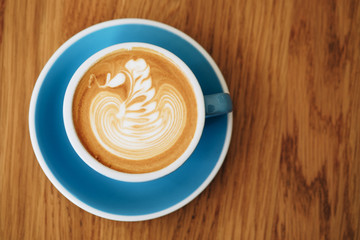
(88, 158)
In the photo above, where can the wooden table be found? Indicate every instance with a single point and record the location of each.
(293, 167)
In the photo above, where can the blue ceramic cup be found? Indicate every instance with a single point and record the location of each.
(207, 106)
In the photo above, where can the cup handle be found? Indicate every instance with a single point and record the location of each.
(217, 104)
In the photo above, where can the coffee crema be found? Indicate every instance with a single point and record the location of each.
(135, 111)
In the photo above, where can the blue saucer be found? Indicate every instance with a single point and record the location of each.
(85, 187)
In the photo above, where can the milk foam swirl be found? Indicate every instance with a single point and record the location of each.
(148, 122)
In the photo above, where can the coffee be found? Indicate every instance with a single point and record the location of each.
(135, 110)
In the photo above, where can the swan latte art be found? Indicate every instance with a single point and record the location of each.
(135, 111)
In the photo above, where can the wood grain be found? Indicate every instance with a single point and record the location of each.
(293, 167)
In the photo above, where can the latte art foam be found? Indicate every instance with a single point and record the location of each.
(143, 125)
(135, 111)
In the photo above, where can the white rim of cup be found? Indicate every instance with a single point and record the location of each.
(87, 157)
(40, 157)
